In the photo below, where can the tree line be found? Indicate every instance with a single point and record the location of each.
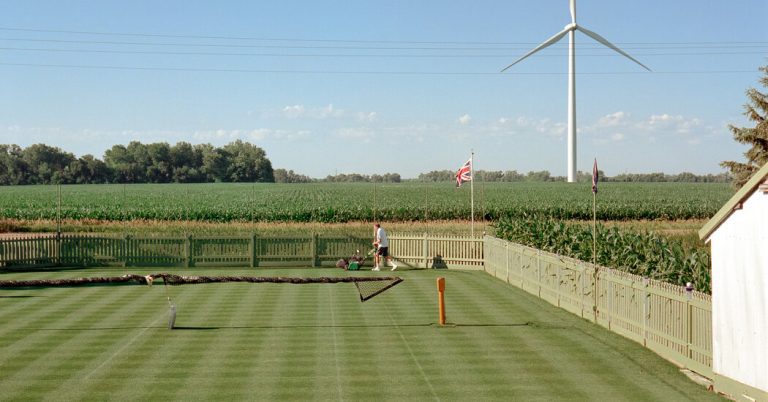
(544, 176)
(136, 163)
(237, 161)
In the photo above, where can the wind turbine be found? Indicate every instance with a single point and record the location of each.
(571, 29)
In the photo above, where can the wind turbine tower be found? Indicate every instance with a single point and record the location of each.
(571, 29)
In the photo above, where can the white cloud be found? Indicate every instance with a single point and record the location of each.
(465, 119)
(541, 126)
(294, 112)
(329, 111)
(355, 133)
(221, 136)
(617, 137)
(674, 123)
(612, 120)
(367, 117)
(319, 113)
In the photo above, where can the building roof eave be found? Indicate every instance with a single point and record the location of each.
(734, 203)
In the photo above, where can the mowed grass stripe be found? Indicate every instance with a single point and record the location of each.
(61, 352)
(491, 347)
(34, 335)
(118, 336)
(138, 356)
(565, 345)
(234, 373)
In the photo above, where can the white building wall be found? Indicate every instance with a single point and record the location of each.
(740, 294)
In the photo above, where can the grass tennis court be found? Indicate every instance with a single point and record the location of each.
(241, 341)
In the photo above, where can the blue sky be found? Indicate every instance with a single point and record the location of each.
(385, 86)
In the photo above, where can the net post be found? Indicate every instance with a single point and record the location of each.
(441, 299)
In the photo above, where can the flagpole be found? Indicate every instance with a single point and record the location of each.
(594, 236)
(472, 189)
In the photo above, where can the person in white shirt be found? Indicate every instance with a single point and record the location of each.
(382, 247)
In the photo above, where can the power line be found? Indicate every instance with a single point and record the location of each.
(523, 46)
(224, 37)
(352, 72)
(348, 55)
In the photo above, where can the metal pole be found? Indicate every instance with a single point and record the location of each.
(472, 189)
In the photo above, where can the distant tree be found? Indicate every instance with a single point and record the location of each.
(391, 178)
(46, 164)
(247, 163)
(13, 169)
(586, 177)
(438, 175)
(159, 168)
(756, 137)
(512, 176)
(186, 163)
(120, 162)
(88, 170)
(214, 167)
(542, 175)
(288, 176)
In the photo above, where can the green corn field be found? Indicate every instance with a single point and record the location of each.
(345, 202)
(646, 254)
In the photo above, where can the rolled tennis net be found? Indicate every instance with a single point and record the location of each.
(367, 286)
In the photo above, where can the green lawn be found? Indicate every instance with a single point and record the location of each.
(314, 342)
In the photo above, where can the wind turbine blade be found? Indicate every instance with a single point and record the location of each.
(609, 44)
(573, 11)
(548, 42)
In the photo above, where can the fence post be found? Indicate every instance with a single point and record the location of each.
(558, 277)
(252, 250)
(124, 250)
(581, 272)
(506, 258)
(646, 313)
(188, 251)
(689, 317)
(425, 250)
(314, 250)
(538, 271)
(610, 299)
(58, 247)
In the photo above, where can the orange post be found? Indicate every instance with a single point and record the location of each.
(441, 299)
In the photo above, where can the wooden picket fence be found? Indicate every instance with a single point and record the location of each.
(671, 320)
(422, 251)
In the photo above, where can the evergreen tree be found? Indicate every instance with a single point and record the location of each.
(757, 137)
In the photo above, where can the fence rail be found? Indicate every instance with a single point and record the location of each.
(674, 322)
(422, 251)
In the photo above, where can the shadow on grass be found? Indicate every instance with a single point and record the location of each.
(425, 325)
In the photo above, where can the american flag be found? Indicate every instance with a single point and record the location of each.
(594, 177)
(464, 173)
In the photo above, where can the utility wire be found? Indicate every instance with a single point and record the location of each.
(223, 37)
(331, 72)
(349, 55)
(523, 47)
